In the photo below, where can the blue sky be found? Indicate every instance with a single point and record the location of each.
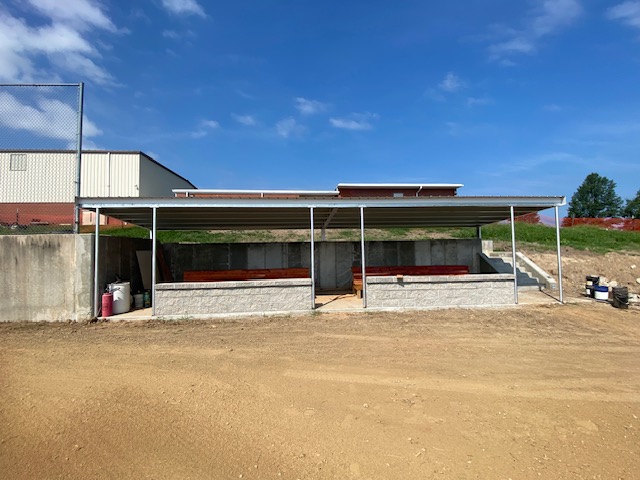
(506, 97)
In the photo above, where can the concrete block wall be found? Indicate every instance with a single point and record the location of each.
(418, 292)
(185, 299)
(118, 260)
(333, 259)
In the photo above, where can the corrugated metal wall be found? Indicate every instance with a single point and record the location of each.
(112, 174)
(49, 177)
(42, 177)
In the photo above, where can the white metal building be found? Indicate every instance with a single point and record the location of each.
(40, 185)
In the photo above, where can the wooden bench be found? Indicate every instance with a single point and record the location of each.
(239, 275)
(405, 270)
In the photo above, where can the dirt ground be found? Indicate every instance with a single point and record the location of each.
(526, 392)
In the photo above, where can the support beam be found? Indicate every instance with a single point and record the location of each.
(326, 224)
(76, 208)
(153, 261)
(513, 255)
(479, 232)
(559, 255)
(362, 259)
(313, 263)
(96, 256)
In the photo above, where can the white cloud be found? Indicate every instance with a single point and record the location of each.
(172, 34)
(184, 7)
(45, 51)
(210, 124)
(246, 120)
(355, 121)
(82, 14)
(451, 83)
(204, 129)
(478, 101)
(309, 107)
(550, 17)
(627, 12)
(49, 118)
(289, 127)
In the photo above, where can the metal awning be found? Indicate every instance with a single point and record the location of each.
(194, 213)
(293, 213)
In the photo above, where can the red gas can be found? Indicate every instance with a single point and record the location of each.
(107, 304)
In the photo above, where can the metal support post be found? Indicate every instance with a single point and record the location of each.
(96, 256)
(362, 260)
(153, 262)
(76, 209)
(479, 232)
(513, 255)
(559, 255)
(313, 263)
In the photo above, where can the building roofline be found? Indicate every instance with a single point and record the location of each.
(400, 185)
(214, 191)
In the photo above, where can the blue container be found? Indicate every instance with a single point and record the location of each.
(601, 292)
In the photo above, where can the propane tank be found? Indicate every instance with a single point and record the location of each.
(107, 304)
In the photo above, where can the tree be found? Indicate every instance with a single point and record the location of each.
(595, 198)
(632, 208)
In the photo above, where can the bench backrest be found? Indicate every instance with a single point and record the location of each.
(237, 275)
(412, 270)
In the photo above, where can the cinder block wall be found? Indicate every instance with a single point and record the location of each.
(444, 291)
(333, 259)
(184, 299)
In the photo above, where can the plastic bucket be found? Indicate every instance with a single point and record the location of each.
(601, 292)
(121, 297)
(595, 280)
(620, 297)
(138, 300)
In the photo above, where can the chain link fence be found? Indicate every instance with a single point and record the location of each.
(40, 143)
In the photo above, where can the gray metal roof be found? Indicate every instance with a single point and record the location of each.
(293, 213)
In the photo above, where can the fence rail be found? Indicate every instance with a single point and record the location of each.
(628, 224)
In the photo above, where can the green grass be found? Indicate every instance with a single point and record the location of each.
(583, 237)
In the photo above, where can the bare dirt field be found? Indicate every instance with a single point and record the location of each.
(529, 392)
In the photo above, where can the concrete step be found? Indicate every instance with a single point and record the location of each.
(503, 264)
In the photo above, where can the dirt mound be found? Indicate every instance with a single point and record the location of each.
(621, 268)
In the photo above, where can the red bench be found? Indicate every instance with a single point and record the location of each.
(238, 275)
(405, 270)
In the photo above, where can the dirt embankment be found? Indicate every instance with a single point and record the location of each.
(621, 268)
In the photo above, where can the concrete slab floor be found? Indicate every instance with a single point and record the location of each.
(345, 302)
(342, 301)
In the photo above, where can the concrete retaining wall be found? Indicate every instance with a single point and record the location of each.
(48, 278)
(185, 299)
(45, 277)
(333, 259)
(416, 292)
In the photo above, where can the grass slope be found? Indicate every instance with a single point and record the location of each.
(583, 237)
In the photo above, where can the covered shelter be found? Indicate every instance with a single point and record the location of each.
(322, 212)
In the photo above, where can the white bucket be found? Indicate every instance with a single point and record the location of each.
(601, 293)
(121, 297)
